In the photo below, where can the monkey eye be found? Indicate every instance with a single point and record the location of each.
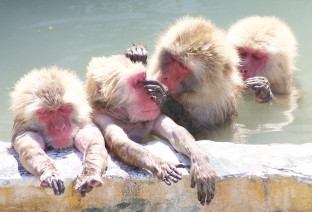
(243, 54)
(256, 57)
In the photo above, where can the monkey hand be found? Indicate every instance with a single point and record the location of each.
(169, 171)
(157, 90)
(262, 89)
(204, 176)
(52, 179)
(84, 184)
(137, 53)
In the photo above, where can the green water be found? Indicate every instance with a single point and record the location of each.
(69, 33)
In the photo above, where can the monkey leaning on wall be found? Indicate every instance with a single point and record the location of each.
(50, 110)
(125, 114)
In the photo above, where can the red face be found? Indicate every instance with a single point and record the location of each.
(57, 122)
(145, 106)
(252, 62)
(172, 73)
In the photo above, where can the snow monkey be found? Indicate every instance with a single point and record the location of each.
(125, 114)
(198, 67)
(51, 111)
(267, 48)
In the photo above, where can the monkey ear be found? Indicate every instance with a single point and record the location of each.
(98, 89)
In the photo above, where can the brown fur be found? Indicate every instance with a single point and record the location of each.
(110, 99)
(216, 82)
(106, 78)
(43, 89)
(271, 35)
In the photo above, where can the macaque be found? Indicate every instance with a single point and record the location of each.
(125, 114)
(197, 70)
(51, 111)
(267, 49)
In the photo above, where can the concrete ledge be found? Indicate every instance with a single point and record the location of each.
(251, 178)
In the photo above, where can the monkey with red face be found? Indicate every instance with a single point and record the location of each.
(197, 70)
(50, 110)
(267, 49)
(125, 114)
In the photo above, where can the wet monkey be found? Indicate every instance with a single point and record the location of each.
(50, 110)
(198, 67)
(125, 114)
(267, 49)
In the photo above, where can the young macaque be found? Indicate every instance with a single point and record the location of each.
(267, 48)
(51, 111)
(198, 67)
(125, 114)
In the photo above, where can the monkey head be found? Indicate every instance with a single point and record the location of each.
(117, 82)
(267, 47)
(192, 53)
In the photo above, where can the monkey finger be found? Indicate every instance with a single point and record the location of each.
(159, 98)
(200, 197)
(95, 183)
(83, 193)
(61, 186)
(165, 179)
(173, 179)
(176, 171)
(193, 182)
(174, 174)
(155, 82)
(210, 193)
(55, 187)
(88, 189)
(155, 88)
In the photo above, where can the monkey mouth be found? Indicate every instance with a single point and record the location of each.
(150, 114)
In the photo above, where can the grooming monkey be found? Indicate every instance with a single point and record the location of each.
(51, 111)
(267, 49)
(198, 67)
(125, 114)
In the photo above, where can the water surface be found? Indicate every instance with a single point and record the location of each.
(69, 33)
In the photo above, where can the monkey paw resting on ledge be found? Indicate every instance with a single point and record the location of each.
(125, 114)
(51, 111)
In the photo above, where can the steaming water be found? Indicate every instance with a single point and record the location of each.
(69, 33)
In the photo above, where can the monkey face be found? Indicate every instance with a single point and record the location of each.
(252, 62)
(172, 73)
(140, 106)
(57, 123)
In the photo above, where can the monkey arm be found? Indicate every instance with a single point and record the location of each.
(135, 154)
(201, 172)
(262, 89)
(89, 140)
(30, 148)
(170, 107)
(137, 53)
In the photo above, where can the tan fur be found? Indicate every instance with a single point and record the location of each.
(106, 78)
(271, 35)
(201, 46)
(44, 88)
(110, 98)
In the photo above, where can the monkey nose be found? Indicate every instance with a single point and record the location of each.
(60, 126)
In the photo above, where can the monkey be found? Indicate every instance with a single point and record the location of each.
(125, 113)
(197, 81)
(51, 111)
(267, 48)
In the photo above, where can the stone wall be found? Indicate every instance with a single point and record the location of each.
(251, 178)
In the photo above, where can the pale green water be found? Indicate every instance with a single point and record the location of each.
(68, 33)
